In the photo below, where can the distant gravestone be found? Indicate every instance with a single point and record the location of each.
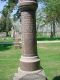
(3, 35)
(16, 33)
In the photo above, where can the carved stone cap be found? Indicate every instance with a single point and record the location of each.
(28, 4)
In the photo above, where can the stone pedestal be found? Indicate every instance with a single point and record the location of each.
(30, 68)
(33, 75)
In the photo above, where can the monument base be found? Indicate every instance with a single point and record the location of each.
(30, 75)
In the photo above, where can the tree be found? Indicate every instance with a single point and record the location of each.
(8, 8)
(2, 24)
(51, 9)
(7, 21)
(52, 12)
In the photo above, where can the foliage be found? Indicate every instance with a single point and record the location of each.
(41, 37)
(6, 12)
(39, 19)
(11, 4)
(51, 9)
(4, 25)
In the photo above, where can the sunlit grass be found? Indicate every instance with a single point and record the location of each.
(9, 58)
(49, 56)
(6, 39)
(50, 59)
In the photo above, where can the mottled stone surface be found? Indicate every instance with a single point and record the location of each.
(29, 61)
(33, 77)
(29, 43)
(30, 76)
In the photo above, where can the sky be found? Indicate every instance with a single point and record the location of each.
(2, 4)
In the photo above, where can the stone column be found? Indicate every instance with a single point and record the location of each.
(29, 59)
(29, 63)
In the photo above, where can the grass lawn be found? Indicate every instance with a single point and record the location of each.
(6, 39)
(45, 37)
(9, 58)
(48, 53)
(50, 59)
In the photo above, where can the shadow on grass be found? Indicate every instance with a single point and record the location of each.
(56, 78)
(4, 47)
(47, 38)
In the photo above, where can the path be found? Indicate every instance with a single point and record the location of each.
(57, 41)
(6, 43)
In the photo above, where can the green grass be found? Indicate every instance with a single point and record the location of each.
(9, 58)
(48, 53)
(6, 39)
(50, 59)
(41, 37)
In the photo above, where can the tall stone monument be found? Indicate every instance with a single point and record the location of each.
(30, 68)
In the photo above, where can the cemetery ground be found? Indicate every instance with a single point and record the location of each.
(41, 37)
(6, 39)
(49, 55)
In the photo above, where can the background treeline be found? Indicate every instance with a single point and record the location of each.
(48, 14)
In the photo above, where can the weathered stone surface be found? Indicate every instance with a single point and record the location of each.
(29, 61)
(29, 44)
(30, 76)
(33, 77)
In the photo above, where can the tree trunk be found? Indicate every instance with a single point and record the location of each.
(52, 29)
(7, 33)
(7, 25)
(51, 36)
(7, 29)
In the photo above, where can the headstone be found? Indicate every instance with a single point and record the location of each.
(29, 61)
